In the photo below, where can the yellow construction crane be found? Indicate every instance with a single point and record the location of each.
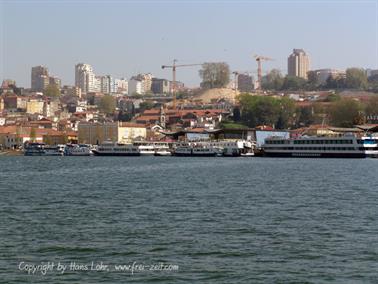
(259, 59)
(173, 85)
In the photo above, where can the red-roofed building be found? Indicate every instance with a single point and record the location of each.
(207, 118)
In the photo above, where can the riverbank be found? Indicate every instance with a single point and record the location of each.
(11, 153)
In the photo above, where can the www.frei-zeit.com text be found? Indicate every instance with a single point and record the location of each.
(60, 267)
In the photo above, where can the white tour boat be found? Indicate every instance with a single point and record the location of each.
(109, 148)
(78, 150)
(348, 146)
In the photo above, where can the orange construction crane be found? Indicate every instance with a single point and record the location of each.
(173, 86)
(259, 59)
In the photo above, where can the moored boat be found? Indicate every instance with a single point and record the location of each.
(109, 148)
(193, 150)
(348, 146)
(41, 149)
(149, 148)
(78, 150)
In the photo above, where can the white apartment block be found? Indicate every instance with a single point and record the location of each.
(85, 78)
(135, 87)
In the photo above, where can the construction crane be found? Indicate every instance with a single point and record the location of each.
(173, 86)
(259, 59)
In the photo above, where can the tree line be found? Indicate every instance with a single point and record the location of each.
(355, 78)
(282, 112)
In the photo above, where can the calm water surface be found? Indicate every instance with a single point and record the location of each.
(218, 220)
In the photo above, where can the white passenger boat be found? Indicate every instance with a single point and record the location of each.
(149, 148)
(109, 148)
(162, 151)
(57, 150)
(41, 149)
(34, 149)
(78, 150)
(195, 150)
(348, 146)
(234, 148)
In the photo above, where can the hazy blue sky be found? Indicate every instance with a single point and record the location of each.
(123, 38)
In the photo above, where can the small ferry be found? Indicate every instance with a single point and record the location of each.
(195, 150)
(109, 148)
(234, 148)
(348, 146)
(78, 150)
(57, 150)
(150, 148)
(41, 149)
(34, 149)
(162, 151)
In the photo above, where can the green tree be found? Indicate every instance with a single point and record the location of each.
(305, 116)
(52, 91)
(371, 107)
(273, 80)
(293, 83)
(356, 78)
(335, 82)
(32, 134)
(286, 113)
(345, 113)
(107, 104)
(261, 110)
(214, 75)
(124, 116)
(236, 114)
(312, 83)
(145, 105)
(373, 83)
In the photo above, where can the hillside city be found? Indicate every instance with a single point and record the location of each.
(230, 103)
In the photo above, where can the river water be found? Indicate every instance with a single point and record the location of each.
(188, 220)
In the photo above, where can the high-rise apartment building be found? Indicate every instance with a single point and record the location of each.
(85, 78)
(146, 79)
(245, 83)
(298, 64)
(135, 86)
(160, 86)
(39, 78)
(121, 86)
(55, 81)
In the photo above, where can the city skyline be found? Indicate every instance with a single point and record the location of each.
(73, 35)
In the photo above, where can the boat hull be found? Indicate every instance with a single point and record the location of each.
(194, 155)
(96, 153)
(315, 155)
(163, 154)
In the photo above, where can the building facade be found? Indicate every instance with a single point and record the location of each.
(135, 86)
(121, 85)
(34, 106)
(323, 74)
(55, 81)
(96, 133)
(160, 86)
(298, 64)
(85, 78)
(106, 84)
(245, 83)
(39, 78)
